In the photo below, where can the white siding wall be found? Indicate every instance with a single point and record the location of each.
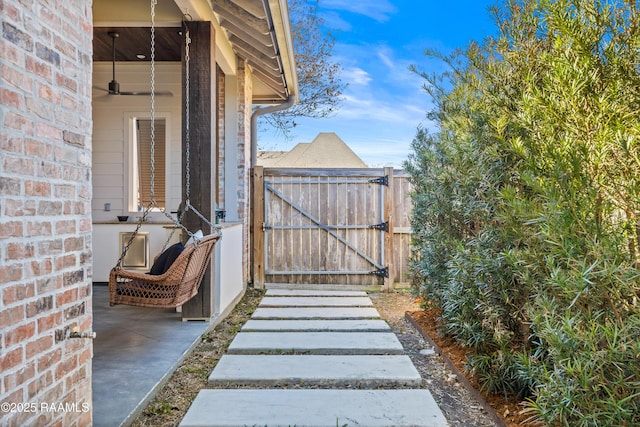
(229, 278)
(111, 136)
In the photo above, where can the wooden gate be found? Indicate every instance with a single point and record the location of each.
(324, 226)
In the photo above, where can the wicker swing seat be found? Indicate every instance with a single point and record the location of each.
(171, 289)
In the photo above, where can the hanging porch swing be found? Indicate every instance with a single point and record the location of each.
(177, 272)
(171, 289)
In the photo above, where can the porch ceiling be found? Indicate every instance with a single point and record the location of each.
(248, 25)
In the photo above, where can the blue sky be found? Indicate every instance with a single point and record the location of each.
(377, 41)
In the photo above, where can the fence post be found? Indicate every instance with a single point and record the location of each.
(257, 230)
(389, 253)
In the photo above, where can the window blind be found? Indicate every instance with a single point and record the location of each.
(144, 162)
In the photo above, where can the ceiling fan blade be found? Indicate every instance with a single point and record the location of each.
(144, 93)
(114, 86)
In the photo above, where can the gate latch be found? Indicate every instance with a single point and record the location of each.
(381, 272)
(383, 180)
(383, 226)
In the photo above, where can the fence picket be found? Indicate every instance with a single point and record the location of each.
(313, 226)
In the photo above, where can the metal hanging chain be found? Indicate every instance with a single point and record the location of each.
(179, 214)
(145, 213)
(153, 99)
(152, 203)
(187, 205)
(187, 138)
(202, 217)
(187, 106)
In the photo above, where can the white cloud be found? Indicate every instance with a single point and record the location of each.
(397, 65)
(333, 20)
(380, 111)
(386, 60)
(379, 10)
(355, 76)
(381, 62)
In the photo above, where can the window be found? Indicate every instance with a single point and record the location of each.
(141, 164)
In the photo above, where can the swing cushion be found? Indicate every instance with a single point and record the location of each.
(166, 258)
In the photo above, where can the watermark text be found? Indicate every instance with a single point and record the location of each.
(77, 407)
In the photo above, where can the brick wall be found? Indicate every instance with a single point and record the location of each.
(45, 214)
(245, 93)
(220, 86)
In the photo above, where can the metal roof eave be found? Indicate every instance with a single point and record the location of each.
(282, 26)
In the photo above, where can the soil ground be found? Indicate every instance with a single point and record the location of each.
(511, 411)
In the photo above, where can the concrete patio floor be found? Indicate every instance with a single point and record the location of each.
(134, 351)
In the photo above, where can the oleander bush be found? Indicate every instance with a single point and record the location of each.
(526, 205)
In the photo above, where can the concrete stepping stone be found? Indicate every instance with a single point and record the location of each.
(363, 325)
(332, 371)
(313, 293)
(316, 302)
(315, 313)
(321, 408)
(316, 343)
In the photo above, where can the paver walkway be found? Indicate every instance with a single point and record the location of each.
(315, 358)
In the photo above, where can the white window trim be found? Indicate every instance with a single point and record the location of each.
(130, 196)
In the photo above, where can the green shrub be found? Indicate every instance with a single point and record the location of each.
(526, 206)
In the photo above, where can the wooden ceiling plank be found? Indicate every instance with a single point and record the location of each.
(137, 40)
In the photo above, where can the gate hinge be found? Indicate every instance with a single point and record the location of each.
(383, 226)
(383, 180)
(381, 272)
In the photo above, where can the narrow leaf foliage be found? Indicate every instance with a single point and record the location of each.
(526, 208)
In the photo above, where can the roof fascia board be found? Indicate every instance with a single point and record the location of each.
(280, 17)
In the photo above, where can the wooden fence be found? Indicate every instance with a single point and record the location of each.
(330, 226)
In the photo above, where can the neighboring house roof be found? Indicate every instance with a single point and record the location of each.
(327, 150)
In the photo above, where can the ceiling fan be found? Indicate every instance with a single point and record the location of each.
(114, 86)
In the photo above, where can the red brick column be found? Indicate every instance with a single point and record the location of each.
(220, 132)
(45, 212)
(245, 94)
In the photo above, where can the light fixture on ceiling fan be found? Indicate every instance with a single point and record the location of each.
(114, 86)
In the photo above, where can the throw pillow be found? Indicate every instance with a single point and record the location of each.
(166, 258)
